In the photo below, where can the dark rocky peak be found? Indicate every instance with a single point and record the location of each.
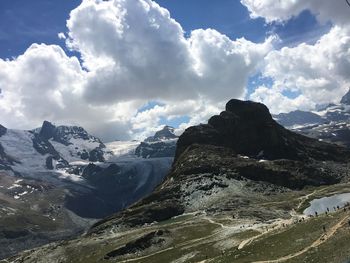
(63, 134)
(249, 111)
(3, 130)
(166, 133)
(248, 128)
(298, 117)
(47, 130)
(346, 98)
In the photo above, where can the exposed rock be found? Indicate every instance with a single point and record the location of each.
(3, 130)
(43, 146)
(96, 155)
(248, 129)
(49, 163)
(149, 240)
(47, 130)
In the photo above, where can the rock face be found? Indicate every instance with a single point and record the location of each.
(5, 161)
(2, 130)
(248, 128)
(162, 144)
(241, 146)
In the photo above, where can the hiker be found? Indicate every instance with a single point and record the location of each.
(316, 214)
(324, 228)
(327, 209)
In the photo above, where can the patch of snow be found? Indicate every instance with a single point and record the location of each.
(71, 177)
(70, 152)
(19, 145)
(14, 186)
(119, 149)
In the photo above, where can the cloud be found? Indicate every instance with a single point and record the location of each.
(131, 52)
(44, 83)
(336, 11)
(135, 50)
(320, 72)
(61, 35)
(278, 102)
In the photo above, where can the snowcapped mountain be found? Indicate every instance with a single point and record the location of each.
(162, 144)
(167, 133)
(329, 123)
(64, 175)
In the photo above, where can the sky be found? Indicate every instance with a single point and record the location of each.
(124, 68)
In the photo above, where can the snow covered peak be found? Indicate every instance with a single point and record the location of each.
(65, 134)
(166, 133)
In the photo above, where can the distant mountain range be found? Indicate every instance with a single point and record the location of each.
(329, 123)
(81, 178)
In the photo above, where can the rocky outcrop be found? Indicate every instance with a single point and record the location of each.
(2, 130)
(155, 238)
(5, 161)
(248, 128)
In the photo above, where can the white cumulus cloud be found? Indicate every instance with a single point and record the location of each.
(320, 72)
(336, 11)
(132, 52)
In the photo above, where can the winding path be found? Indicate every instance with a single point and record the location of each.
(318, 242)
